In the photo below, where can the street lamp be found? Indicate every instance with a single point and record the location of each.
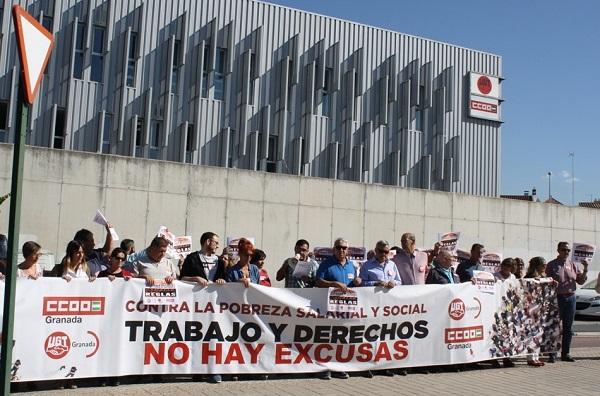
(549, 185)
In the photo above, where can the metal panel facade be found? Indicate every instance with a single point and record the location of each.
(250, 84)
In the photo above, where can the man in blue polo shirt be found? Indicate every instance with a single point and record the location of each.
(338, 272)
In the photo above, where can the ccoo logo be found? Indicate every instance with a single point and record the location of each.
(57, 345)
(456, 309)
(484, 84)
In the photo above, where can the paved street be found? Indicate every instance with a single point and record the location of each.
(579, 378)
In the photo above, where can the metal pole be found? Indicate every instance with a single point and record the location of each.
(549, 185)
(572, 155)
(13, 239)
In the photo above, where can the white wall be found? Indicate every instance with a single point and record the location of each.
(63, 189)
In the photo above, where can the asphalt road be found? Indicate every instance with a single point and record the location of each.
(587, 325)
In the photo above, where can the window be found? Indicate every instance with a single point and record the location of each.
(175, 70)
(252, 79)
(219, 81)
(154, 140)
(131, 59)
(289, 83)
(48, 23)
(3, 121)
(205, 63)
(59, 129)
(106, 133)
(272, 154)
(189, 144)
(231, 148)
(419, 112)
(326, 93)
(139, 136)
(355, 104)
(79, 51)
(98, 54)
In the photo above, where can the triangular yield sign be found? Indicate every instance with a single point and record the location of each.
(34, 43)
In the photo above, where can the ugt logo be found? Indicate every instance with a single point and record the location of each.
(456, 309)
(57, 345)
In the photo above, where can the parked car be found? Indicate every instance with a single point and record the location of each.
(587, 298)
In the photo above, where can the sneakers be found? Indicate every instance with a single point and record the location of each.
(325, 375)
(387, 373)
(215, 379)
(567, 358)
(340, 374)
(552, 359)
(495, 363)
(368, 374)
(402, 372)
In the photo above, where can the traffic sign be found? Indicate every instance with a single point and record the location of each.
(34, 45)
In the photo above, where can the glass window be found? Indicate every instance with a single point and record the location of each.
(419, 112)
(97, 65)
(79, 51)
(289, 83)
(106, 133)
(175, 70)
(205, 63)
(272, 154)
(326, 93)
(154, 140)
(219, 83)
(252, 83)
(48, 23)
(131, 59)
(59, 129)
(3, 121)
(189, 144)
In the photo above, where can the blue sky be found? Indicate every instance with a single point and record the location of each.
(551, 59)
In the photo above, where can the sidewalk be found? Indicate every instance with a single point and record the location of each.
(579, 378)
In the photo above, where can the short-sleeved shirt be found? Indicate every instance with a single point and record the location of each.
(235, 273)
(466, 268)
(565, 273)
(412, 267)
(145, 266)
(291, 281)
(372, 272)
(333, 271)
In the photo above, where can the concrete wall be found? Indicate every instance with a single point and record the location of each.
(63, 189)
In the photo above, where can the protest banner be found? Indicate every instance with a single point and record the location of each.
(449, 241)
(484, 281)
(583, 251)
(182, 246)
(491, 261)
(232, 244)
(83, 328)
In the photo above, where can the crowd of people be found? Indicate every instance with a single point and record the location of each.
(386, 266)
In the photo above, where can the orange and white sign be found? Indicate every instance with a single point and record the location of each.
(34, 45)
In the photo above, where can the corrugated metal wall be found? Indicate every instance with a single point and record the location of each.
(394, 111)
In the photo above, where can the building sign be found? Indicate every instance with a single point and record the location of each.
(484, 96)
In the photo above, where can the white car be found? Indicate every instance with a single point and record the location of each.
(587, 299)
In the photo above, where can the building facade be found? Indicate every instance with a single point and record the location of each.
(252, 85)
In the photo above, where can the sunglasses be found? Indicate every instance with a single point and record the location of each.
(341, 247)
(120, 258)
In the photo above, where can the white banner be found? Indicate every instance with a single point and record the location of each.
(102, 328)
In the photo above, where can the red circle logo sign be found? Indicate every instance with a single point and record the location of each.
(57, 345)
(484, 84)
(456, 309)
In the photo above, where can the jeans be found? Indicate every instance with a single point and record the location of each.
(566, 310)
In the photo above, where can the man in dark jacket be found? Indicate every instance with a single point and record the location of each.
(203, 266)
(442, 272)
(465, 269)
